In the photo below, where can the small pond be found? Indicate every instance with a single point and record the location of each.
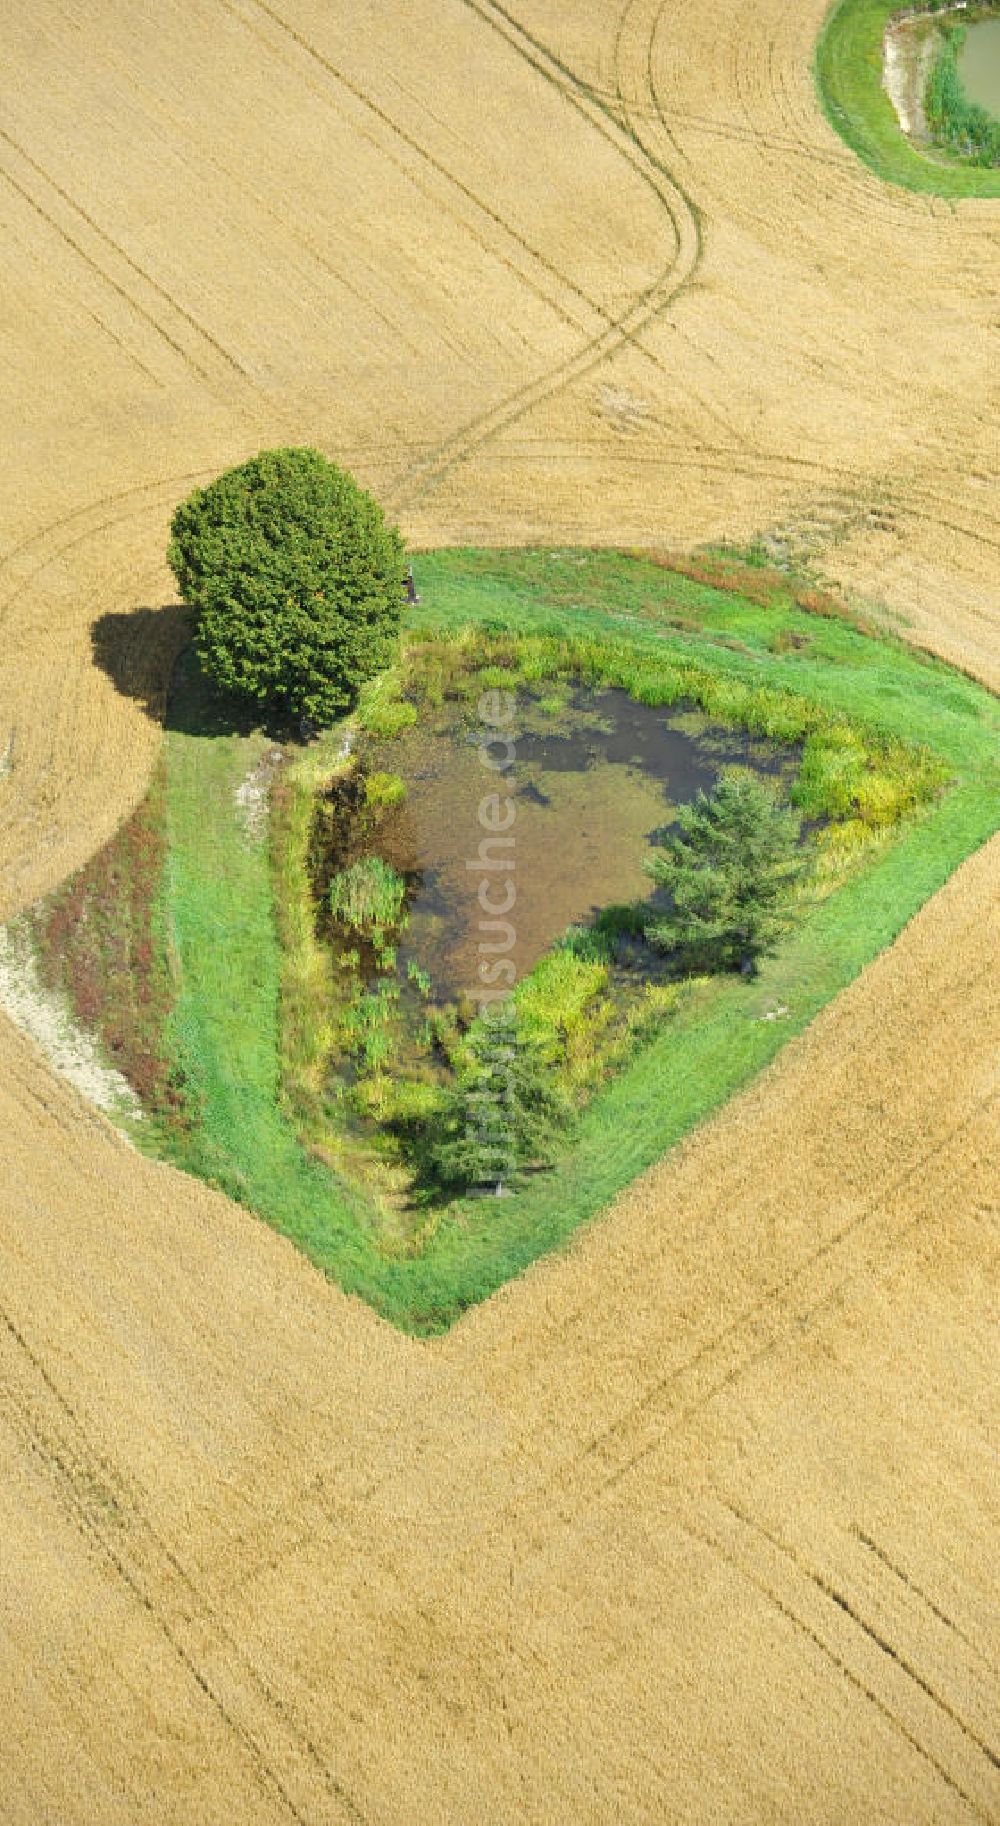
(593, 779)
(979, 64)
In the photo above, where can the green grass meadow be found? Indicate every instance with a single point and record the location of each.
(217, 910)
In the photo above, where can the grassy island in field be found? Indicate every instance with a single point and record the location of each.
(848, 70)
(312, 1039)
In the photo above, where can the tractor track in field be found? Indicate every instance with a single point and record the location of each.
(499, 226)
(110, 1519)
(207, 348)
(429, 471)
(948, 1623)
(756, 1334)
(43, 546)
(814, 1288)
(758, 1557)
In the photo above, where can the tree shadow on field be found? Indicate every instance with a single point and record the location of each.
(138, 649)
(148, 656)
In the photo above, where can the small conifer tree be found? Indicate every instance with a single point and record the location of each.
(729, 871)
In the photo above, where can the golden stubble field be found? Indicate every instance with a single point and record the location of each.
(698, 1522)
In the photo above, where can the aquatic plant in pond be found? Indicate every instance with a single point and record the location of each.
(384, 790)
(367, 897)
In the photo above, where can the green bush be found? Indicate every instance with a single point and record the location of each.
(557, 1001)
(612, 929)
(412, 1103)
(384, 790)
(831, 774)
(382, 709)
(391, 719)
(367, 896)
(843, 777)
(505, 1114)
(296, 581)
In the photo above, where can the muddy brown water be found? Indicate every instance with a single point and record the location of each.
(586, 793)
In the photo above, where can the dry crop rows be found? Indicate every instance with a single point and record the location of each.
(693, 1523)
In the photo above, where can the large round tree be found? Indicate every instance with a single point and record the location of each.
(296, 580)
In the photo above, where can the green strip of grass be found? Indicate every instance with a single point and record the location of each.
(848, 72)
(218, 910)
(223, 1032)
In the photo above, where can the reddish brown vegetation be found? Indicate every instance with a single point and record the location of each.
(97, 941)
(759, 583)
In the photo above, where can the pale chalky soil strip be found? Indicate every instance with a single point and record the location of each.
(42, 1014)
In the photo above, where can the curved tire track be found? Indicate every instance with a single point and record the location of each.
(650, 304)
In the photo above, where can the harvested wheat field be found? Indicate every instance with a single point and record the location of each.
(696, 1522)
